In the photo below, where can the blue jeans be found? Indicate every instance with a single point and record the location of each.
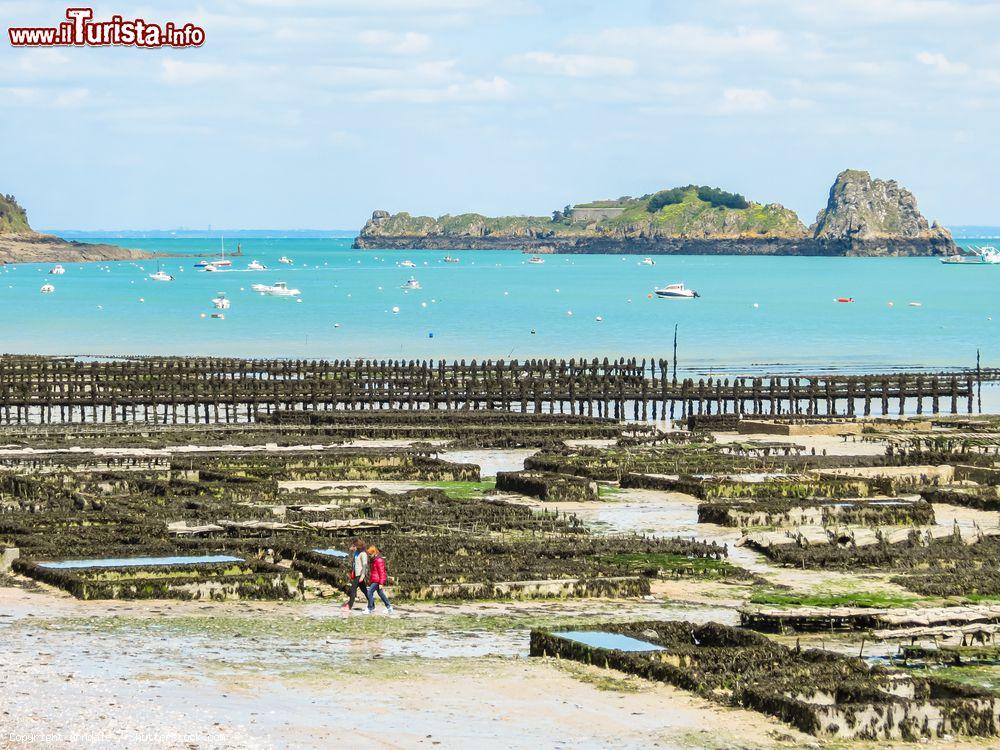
(377, 587)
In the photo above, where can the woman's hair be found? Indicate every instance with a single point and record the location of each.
(373, 550)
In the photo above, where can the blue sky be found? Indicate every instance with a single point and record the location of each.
(311, 113)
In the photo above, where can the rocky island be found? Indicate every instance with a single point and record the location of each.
(19, 243)
(864, 216)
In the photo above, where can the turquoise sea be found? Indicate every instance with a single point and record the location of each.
(754, 313)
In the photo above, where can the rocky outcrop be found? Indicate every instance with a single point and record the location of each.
(863, 216)
(878, 217)
(19, 243)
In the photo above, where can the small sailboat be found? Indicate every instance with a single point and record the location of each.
(220, 301)
(449, 259)
(286, 260)
(647, 262)
(408, 264)
(47, 289)
(256, 265)
(676, 291)
(57, 270)
(536, 260)
(160, 275)
(411, 284)
(217, 263)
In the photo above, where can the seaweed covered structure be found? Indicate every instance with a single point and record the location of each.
(816, 691)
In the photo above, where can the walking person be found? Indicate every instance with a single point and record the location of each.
(359, 562)
(378, 578)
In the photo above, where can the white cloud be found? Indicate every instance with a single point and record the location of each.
(684, 38)
(180, 73)
(395, 42)
(478, 90)
(941, 64)
(737, 100)
(576, 66)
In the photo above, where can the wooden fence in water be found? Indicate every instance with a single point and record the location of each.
(176, 390)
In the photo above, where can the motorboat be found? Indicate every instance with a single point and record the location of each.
(408, 264)
(979, 256)
(647, 262)
(286, 260)
(277, 289)
(221, 301)
(256, 265)
(411, 284)
(536, 260)
(47, 289)
(449, 259)
(161, 275)
(210, 267)
(57, 270)
(219, 316)
(676, 291)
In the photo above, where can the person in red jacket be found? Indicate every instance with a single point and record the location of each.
(377, 578)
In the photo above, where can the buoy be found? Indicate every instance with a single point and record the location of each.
(431, 334)
(892, 304)
(598, 318)
(569, 312)
(141, 299)
(203, 315)
(299, 300)
(532, 331)
(423, 304)
(395, 310)
(649, 296)
(336, 325)
(756, 305)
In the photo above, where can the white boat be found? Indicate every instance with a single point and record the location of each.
(216, 263)
(47, 289)
(408, 264)
(676, 291)
(57, 270)
(980, 256)
(286, 260)
(449, 259)
(221, 302)
(161, 276)
(536, 260)
(256, 265)
(647, 262)
(277, 289)
(411, 284)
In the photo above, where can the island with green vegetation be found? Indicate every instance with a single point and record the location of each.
(864, 216)
(19, 243)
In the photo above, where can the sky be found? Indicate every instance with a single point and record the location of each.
(312, 113)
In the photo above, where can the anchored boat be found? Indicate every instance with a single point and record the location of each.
(411, 284)
(536, 260)
(676, 291)
(647, 262)
(979, 256)
(256, 265)
(221, 302)
(57, 270)
(277, 289)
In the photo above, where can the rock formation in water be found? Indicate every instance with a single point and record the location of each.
(878, 217)
(863, 217)
(19, 243)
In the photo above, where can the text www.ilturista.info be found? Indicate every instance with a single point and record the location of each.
(80, 30)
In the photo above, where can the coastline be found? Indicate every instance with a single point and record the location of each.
(47, 248)
(936, 246)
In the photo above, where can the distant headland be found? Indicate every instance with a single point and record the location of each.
(19, 243)
(864, 216)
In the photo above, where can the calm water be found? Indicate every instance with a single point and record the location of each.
(488, 304)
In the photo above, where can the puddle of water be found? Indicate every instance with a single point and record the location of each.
(126, 562)
(330, 552)
(609, 641)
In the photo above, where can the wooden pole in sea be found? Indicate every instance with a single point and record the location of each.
(979, 382)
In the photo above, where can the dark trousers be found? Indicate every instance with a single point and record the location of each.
(356, 583)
